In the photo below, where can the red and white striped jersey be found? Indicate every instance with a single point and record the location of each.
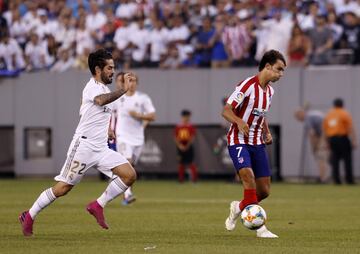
(251, 103)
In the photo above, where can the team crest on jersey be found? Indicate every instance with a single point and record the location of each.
(241, 160)
(259, 112)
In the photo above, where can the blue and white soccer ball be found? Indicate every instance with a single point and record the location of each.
(253, 217)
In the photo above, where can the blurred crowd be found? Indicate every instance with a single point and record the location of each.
(59, 34)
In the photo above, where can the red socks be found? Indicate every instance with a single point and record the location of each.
(194, 172)
(249, 198)
(181, 172)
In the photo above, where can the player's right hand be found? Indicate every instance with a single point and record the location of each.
(243, 127)
(128, 78)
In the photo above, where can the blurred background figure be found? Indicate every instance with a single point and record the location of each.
(184, 138)
(36, 54)
(134, 111)
(321, 41)
(11, 53)
(65, 62)
(341, 138)
(219, 57)
(299, 47)
(313, 121)
(350, 38)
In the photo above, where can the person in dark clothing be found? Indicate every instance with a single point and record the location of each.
(340, 134)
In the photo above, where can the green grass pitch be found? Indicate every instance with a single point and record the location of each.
(182, 218)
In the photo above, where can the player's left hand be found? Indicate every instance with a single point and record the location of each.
(135, 114)
(111, 135)
(128, 79)
(268, 138)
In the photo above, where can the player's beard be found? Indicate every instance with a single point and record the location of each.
(106, 79)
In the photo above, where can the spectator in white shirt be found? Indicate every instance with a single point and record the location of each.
(66, 33)
(126, 9)
(348, 6)
(84, 40)
(13, 6)
(31, 18)
(195, 18)
(18, 29)
(139, 39)
(207, 9)
(121, 35)
(12, 54)
(279, 32)
(179, 33)
(36, 54)
(95, 19)
(158, 38)
(307, 22)
(65, 62)
(172, 60)
(45, 27)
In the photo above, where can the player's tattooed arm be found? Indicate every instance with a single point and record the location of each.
(107, 98)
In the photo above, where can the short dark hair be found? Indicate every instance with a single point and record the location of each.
(98, 58)
(185, 112)
(338, 102)
(271, 57)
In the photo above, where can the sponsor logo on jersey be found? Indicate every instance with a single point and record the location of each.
(107, 109)
(259, 112)
(239, 97)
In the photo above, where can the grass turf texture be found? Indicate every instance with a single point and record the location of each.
(182, 218)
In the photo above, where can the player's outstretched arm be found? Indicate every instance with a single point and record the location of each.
(107, 98)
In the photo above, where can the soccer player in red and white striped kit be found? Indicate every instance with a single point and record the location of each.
(246, 110)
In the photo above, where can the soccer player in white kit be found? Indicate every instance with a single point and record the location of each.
(134, 111)
(89, 146)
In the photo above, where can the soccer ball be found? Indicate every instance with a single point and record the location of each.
(253, 217)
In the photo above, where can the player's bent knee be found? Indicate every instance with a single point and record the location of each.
(126, 173)
(61, 189)
(131, 177)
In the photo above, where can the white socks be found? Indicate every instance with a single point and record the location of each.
(128, 193)
(237, 208)
(114, 189)
(45, 199)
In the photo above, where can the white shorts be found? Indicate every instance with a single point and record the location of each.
(129, 151)
(81, 157)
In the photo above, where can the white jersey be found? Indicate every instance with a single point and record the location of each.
(128, 129)
(94, 119)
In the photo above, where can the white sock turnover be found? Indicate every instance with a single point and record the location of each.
(114, 189)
